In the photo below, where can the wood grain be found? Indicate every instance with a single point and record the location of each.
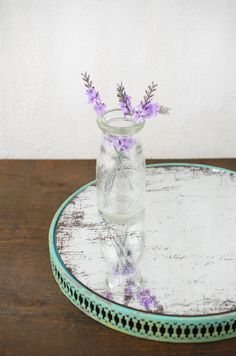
(35, 317)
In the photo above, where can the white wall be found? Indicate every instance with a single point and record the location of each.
(187, 46)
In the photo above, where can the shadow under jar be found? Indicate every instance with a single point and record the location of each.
(120, 168)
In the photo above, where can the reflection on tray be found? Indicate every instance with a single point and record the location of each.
(122, 247)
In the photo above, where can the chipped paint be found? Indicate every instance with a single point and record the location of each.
(189, 253)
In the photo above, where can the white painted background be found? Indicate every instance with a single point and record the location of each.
(187, 46)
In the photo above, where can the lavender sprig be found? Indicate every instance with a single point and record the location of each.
(93, 95)
(146, 299)
(164, 110)
(145, 110)
(124, 100)
(149, 93)
(153, 108)
(121, 143)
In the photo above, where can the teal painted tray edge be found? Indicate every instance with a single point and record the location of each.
(178, 329)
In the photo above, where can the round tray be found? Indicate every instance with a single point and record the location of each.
(168, 275)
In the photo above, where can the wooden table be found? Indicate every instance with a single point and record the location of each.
(35, 317)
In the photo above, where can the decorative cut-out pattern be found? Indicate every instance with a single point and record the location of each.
(145, 327)
(171, 311)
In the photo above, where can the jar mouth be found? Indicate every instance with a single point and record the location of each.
(112, 122)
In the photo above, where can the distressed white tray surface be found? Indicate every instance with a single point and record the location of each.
(187, 257)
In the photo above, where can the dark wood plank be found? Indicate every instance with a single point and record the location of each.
(35, 317)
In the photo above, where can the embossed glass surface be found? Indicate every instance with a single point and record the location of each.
(120, 167)
(178, 258)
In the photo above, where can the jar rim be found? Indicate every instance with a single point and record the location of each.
(109, 125)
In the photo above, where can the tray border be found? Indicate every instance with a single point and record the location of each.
(168, 328)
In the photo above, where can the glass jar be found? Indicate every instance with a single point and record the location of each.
(120, 169)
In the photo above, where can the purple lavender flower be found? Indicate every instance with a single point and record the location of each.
(124, 101)
(109, 295)
(126, 106)
(121, 143)
(93, 96)
(125, 143)
(138, 115)
(128, 269)
(145, 299)
(99, 107)
(123, 270)
(150, 110)
(146, 109)
(129, 285)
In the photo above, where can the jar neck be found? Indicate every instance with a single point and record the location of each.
(113, 123)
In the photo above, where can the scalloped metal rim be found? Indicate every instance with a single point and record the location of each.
(179, 329)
